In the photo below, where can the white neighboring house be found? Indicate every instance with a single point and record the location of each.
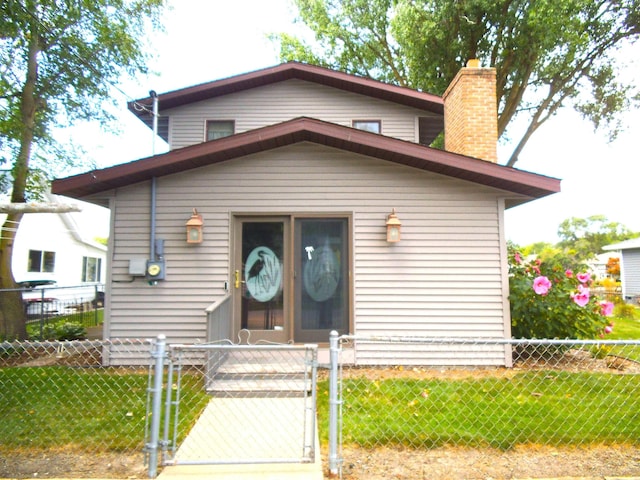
(629, 267)
(599, 264)
(50, 247)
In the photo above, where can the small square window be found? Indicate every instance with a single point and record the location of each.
(40, 261)
(219, 129)
(368, 125)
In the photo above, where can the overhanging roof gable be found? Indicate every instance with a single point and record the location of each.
(285, 71)
(525, 185)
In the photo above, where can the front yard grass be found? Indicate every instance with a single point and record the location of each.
(45, 407)
(534, 407)
(625, 328)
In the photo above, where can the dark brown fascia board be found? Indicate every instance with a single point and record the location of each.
(525, 184)
(286, 71)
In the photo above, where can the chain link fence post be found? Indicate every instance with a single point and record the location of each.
(156, 404)
(334, 350)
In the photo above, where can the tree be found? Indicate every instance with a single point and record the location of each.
(585, 237)
(547, 53)
(58, 62)
(613, 267)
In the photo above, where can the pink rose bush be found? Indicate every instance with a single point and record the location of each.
(549, 300)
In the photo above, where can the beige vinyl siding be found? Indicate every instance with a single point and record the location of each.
(444, 278)
(284, 101)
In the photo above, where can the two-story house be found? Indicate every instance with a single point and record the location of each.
(293, 181)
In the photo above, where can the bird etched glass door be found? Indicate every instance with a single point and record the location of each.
(259, 280)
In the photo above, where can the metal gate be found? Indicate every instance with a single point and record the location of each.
(232, 404)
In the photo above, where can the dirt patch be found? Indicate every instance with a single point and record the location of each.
(72, 355)
(361, 464)
(488, 464)
(61, 464)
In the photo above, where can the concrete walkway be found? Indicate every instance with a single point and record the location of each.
(253, 437)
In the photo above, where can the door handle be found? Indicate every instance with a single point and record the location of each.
(237, 279)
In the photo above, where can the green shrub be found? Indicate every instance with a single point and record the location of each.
(601, 351)
(625, 310)
(552, 299)
(70, 331)
(61, 330)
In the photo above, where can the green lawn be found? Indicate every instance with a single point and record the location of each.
(625, 329)
(46, 407)
(558, 408)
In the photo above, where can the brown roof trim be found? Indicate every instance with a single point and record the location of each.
(286, 71)
(305, 129)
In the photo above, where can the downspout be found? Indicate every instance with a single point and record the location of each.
(152, 247)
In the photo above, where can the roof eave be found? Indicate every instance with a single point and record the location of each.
(525, 185)
(287, 71)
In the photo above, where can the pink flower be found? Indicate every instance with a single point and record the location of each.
(582, 297)
(518, 258)
(584, 277)
(569, 273)
(608, 329)
(541, 285)
(606, 309)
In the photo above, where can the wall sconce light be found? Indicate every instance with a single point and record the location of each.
(393, 227)
(194, 228)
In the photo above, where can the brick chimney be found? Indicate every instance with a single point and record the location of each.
(471, 113)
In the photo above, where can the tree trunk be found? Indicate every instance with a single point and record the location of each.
(12, 314)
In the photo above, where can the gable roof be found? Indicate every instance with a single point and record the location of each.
(72, 226)
(525, 185)
(430, 126)
(626, 245)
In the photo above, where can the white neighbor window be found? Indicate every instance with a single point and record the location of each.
(41, 261)
(91, 269)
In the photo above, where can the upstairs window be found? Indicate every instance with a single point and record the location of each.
(219, 129)
(41, 261)
(91, 267)
(368, 125)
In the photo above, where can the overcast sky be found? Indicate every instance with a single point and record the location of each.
(211, 39)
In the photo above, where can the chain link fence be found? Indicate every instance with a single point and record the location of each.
(124, 407)
(82, 401)
(558, 393)
(92, 400)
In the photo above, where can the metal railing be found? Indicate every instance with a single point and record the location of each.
(46, 305)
